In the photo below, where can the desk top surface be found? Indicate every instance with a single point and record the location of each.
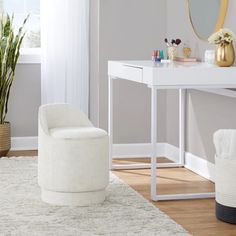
(172, 65)
(174, 74)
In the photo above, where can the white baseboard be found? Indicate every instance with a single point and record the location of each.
(24, 143)
(200, 166)
(194, 163)
(140, 150)
(137, 150)
(171, 152)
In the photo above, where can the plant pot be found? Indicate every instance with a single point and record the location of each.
(5, 138)
(224, 55)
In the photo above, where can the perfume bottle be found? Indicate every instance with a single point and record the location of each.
(186, 50)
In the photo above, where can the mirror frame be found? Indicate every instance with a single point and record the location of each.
(220, 21)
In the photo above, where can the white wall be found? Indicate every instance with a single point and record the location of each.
(206, 112)
(130, 29)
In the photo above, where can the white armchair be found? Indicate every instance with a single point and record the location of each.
(73, 157)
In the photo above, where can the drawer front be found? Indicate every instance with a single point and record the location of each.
(133, 73)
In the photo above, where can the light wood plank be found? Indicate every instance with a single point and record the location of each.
(29, 153)
(196, 216)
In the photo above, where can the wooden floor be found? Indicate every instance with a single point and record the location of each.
(29, 153)
(196, 216)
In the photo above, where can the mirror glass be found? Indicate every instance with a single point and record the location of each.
(207, 16)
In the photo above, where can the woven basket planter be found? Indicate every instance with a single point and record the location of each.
(5, 138)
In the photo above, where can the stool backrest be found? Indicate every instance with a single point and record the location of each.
(62, 115)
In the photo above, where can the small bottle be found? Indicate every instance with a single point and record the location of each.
(186, 50)
(162, 54)
(157, 55)
(154, 55)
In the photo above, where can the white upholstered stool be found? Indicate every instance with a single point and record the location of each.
(73, 157)
(225, 175)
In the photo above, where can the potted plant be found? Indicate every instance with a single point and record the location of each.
(10, 44)
(224, 52)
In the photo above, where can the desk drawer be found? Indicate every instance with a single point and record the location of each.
(133, 73)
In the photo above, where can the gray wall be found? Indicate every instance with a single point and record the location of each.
(130, 29)
(25, 98)
(206, 112)
(94, 62)
(124, 29)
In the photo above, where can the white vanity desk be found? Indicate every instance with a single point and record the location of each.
(176, 75)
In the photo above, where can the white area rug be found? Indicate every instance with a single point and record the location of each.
(124, 212)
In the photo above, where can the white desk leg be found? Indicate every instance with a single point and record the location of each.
(154, 182)
(110, 119)
(182, 105)
(154, 141)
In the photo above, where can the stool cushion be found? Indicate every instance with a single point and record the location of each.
(77, 133)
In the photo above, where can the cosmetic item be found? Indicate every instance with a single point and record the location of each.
(157, 55)
(167, 43)
(162, 54)
(210, 56)
(154, 55)
(174, 42)
(172, 48)
(172, 52)
(158, 58)
(186, 50)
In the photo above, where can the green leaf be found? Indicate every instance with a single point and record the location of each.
(9, 54)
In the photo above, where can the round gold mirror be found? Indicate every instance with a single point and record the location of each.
(207, 16)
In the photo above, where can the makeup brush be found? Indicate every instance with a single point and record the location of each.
(167, 43)
(178, 41)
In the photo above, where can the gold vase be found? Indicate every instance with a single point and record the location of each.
(224, 55)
